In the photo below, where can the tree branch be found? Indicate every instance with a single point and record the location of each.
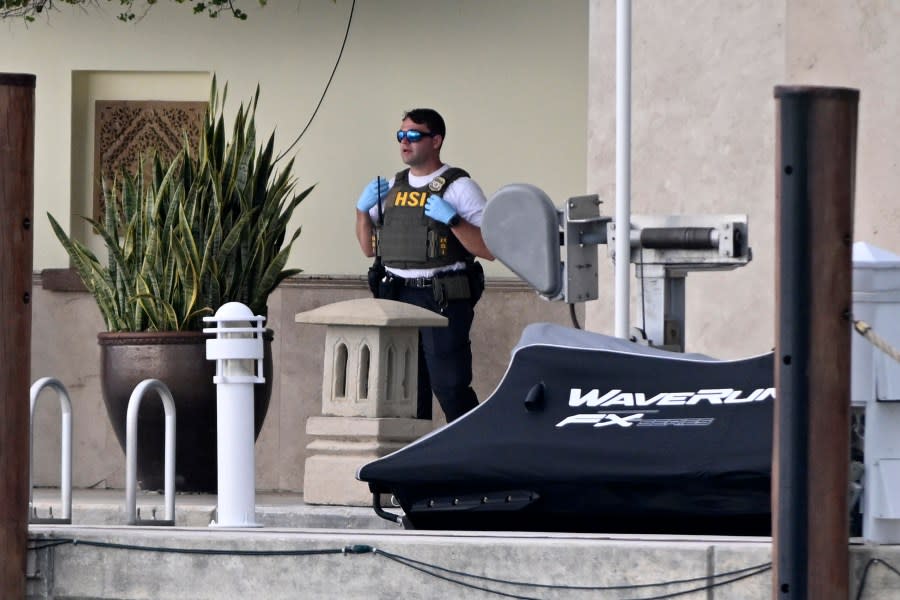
(131, 10)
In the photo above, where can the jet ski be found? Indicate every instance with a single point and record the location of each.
(591, 433)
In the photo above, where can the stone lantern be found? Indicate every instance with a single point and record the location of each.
(369, 393)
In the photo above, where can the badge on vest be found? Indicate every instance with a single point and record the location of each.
(437, 184)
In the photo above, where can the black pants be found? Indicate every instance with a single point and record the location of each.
(445, 355)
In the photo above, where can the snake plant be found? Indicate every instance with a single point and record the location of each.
(208, 227)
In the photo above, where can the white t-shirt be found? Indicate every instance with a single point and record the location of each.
(464, 195)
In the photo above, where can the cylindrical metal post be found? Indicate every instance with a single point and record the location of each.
(815, 163)
(16, 205)
(623, 169)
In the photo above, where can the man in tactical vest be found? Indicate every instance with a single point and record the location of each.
(424, 229)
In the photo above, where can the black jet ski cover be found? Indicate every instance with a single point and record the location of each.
(590, 433)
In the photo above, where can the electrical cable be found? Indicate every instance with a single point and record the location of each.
(327, 85)
(865, 574)
(760, 566)
(736, 575)
(206, 551)
(746, 573)
(706, 587)
(643, 300)
(50, 544)
(573, 316)
(472, 586)
(434, 570)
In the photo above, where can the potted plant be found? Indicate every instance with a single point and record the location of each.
(184, 237)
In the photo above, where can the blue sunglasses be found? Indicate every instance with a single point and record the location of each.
(413, 135)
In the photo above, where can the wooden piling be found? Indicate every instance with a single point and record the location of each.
(815, 166)
(16, 204)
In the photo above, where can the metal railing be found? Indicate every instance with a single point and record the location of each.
(65, 467)
(134, 403)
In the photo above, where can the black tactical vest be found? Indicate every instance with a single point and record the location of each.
(407, 239)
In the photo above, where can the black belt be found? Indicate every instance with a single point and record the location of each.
(425, 282)
(416, 282)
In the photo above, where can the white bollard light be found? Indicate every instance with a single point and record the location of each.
(238, 352)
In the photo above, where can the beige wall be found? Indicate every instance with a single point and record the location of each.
(703, 140)
(858, 45)
(66, 348)
(703, 133)
(509, 76)
(523, 108)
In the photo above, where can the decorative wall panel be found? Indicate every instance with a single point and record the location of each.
(126, 130)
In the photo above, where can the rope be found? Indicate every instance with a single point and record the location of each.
(865, 330)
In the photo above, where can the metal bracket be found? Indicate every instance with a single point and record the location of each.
(521, 227)
(154, 522)
(583, 229)
(33, 519)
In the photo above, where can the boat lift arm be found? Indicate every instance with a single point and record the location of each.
(555, 251)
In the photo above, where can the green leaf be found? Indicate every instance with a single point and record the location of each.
(207, 227)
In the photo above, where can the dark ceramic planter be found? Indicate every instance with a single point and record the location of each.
(178, 359)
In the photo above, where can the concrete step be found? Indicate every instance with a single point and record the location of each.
(92, 507)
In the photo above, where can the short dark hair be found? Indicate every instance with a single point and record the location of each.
(428, 117)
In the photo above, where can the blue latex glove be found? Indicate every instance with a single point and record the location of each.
(369, 197)
(439, 209)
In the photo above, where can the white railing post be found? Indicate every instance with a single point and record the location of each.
(65, 458)
(131, 429)
(238, 352)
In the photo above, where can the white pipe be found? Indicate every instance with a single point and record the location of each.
(623, 168)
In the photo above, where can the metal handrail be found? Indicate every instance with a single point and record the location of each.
(65, 467)
(134, 403)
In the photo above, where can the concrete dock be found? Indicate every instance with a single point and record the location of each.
(305, 551)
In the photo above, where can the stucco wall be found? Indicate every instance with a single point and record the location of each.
(509, 76)
(66, 348)
(703, 133)
(857, 45)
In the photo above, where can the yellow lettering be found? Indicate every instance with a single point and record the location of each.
(417, 198)
(400, 200)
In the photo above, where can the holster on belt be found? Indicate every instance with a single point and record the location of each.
(453, 286)
(389, 286)
(375, 276)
